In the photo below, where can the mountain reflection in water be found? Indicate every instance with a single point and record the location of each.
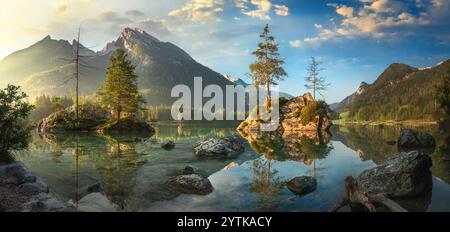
(135, 170)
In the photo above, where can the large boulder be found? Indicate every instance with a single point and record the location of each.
(404, 174)
(15, 174)
(218, 147)
(192, 184)
(90, 117)
(302, 185)
(410, 138)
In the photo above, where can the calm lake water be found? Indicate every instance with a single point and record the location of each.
(135, 170)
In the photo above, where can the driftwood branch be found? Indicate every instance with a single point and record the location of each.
(355, 197)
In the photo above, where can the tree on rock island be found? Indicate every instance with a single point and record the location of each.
(267, 69)
(120, 92)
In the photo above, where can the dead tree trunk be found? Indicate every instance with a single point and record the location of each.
(355, 197)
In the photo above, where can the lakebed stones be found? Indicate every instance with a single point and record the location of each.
(192, 184)
(302, 185)
(218, 147)
(402, 175)
(410, 138)
(169, 145)
(21, 190)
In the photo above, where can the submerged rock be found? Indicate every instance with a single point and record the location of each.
(231, 165)
(302, 185)
(95, 202)
(188, 170)
(410, 138)
(96, 187)
(404, 174)
(192, 184)
(218, 147)
(169, 145)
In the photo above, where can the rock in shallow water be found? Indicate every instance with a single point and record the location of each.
(218, 147)
(21, 190)
(402, 175)
(169, 145)
(301, 185)
(410, 138)
(188, 170)
(192, 184)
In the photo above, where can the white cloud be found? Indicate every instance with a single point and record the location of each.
(377, 19)
(261, 9)
(281, 10)
(202, 11)
(295, 43)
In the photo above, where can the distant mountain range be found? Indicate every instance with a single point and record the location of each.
(239, 81)
(401, 92)
(47, 67)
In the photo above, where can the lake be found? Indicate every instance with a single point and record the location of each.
(135, 170)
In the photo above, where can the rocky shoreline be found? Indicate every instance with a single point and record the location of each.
(23, 191)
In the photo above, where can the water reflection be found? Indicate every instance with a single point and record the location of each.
(114, 160)
(296, 146)
(134, 170)
(266, 184)
(371, 143)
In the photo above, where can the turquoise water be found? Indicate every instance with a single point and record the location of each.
(135, 170)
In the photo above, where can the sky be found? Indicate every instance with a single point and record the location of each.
(355, 40)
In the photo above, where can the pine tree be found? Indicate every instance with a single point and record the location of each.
(314, 81)
(267, 70)
(442, 94)
(120, 92)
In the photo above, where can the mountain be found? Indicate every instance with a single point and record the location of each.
(47, 67)
(236, 81)
(239, 81)
(348, 100)
(401, 92)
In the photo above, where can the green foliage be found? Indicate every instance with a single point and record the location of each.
(46, 105)
(120, 92)
(312, 110)
(401, 93)
(267, 69)
(14, 131)
(442, 95)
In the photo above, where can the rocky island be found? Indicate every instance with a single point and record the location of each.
(301, 115)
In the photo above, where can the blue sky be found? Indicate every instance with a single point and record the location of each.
(354, 39)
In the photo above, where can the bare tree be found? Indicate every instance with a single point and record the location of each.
(314, 81)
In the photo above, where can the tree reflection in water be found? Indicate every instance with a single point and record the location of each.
(110, 160)
(266, 184)
(275, 147)
(117, 167)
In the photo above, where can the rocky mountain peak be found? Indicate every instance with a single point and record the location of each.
(362, 87)
(137, 35)
(128, 38)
